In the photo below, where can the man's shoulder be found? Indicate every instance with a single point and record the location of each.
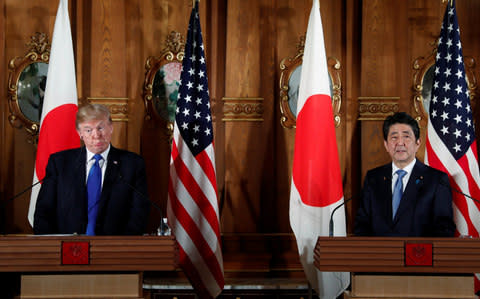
(428, 169)
(380, 170)
(67, 153)
(123, 154)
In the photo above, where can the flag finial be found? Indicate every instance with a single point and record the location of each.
(443, 1)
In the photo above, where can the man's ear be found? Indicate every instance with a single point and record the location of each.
(385, 145)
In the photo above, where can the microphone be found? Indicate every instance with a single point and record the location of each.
(28, 188)
(44, 178)
(330, 224)
(459, 191)
(162, 229)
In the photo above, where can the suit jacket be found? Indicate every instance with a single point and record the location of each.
(425, 209)
(62, 201)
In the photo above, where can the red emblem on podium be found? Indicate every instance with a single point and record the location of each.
(418, 254)
(75, 253)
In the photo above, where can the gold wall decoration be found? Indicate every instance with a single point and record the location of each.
(27, 77)
(118, 107)
(423, 80)
(377, 108)
(162, 80)
(242, 109)
(290, 80)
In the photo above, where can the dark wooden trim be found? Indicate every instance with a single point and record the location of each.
(107, 253)
(387, 255)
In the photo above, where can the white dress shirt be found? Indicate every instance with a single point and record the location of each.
(102, 163)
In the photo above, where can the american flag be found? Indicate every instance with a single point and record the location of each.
(451, 144)
(192, 207)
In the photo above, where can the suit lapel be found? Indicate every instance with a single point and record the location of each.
(385, 186)
(76, 180)
(80, 172)
(111, 174)
(414, 184)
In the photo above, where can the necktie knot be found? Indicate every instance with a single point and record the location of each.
(97, 157)
(401, 173)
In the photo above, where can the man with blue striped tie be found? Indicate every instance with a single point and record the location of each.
(96, 189)
(404, 197)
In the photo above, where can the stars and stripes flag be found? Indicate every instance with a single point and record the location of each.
(192, 207)
(60, 103)
(316, 188)
(451, 145)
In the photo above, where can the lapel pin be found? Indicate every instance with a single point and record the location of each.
(419, 180)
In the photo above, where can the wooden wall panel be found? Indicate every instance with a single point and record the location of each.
(107, 57)
(3, 124)
(148, 25)
(17, 164)
(375, 41)
(243, 152)
(215, 53)
(385, 71)
(352, 71)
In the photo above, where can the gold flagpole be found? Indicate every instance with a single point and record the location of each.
(451, 2)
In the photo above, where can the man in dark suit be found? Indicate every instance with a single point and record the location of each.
(120, 207)
(417, 205)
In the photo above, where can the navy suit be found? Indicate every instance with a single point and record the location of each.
(425, 209)
(62, 202)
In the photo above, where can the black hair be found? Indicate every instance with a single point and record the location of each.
(400, 118)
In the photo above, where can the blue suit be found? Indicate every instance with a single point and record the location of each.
(425, 209)
(62, 202)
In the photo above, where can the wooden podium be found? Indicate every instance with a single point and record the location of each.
(402, 267)
(84, 266)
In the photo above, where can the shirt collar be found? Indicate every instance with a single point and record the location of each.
(104, 154)
(407, 168)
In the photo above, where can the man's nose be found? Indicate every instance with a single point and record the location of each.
(95, 133)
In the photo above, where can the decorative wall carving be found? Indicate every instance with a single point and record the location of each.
(377, 108)
(26, 85)
(243, 109)
(162, 79)
(118, 107)
(289, 83)
(423, 80)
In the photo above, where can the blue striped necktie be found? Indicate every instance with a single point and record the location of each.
(397, 191)
(94, 189)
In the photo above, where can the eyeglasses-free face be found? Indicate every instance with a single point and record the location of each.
(96, 134)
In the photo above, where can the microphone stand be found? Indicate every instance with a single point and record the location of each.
(464, 194)
(26, 189)
(163, 229)
(330, 224)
